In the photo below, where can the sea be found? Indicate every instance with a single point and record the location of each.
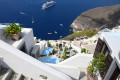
(55, 20)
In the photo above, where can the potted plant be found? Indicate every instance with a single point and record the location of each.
(97, 64)
(13, 31)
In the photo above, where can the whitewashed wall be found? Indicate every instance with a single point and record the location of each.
(72, 71)
(27, 38)
(28, 66)
(78, 60)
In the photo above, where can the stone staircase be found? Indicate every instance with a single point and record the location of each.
(9, 74)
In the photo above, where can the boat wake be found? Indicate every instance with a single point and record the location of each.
(61, 25)
(32, 20)
(49, 33)
(55, 32)
(22, 13)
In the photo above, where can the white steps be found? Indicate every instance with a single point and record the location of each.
(9, 74)
(19, 77)
(3, 72)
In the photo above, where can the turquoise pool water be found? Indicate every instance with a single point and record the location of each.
(53, 60)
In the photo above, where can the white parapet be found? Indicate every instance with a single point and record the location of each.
(72, 71)
(79, 60)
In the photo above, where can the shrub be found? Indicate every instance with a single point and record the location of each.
(75, 51)
(65, 50)
(48, 44)
(97, 64)
(83, 50)
(58, 56)
(64, 56)
(89, 33)
(57, 44)
(91, 69)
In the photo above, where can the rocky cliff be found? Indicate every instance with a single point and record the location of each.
(108, 16)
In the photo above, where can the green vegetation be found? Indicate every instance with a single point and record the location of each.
(58, 56)
(70, 46)
(89, 33)
(57, 44)
(12, 29)
(61, 49)
(85, 51)
(50, 53)
(65, 50)
(97, 64)
(64, 54)
(48, 44)
(53, 52)
(75, 51)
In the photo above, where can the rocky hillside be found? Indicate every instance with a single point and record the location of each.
(107, 16)
(88, 33)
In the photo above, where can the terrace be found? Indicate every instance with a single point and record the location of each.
(23, 43)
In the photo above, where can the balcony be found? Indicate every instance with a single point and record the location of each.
(25, 43)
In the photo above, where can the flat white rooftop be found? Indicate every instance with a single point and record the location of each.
(16, 44)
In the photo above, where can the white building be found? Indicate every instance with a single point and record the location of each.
(109, 44)
(19, 60)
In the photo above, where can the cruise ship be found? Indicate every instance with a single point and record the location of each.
(48, 4)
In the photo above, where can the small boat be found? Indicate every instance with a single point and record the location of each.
(32, 20)
(55, 32)
(60, 36)
(49, 33)
(61, 25)
(70, 30)
(48, 4)
(22, 13)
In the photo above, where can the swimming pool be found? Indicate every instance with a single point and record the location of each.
(53, 60)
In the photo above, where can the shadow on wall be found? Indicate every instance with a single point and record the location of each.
(82, 74)
(3, 63)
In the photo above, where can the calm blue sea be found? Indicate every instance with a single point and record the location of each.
(47, 21)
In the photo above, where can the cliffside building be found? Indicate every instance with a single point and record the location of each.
(109, 44)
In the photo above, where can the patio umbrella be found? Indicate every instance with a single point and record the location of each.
(45, 52)
(50, 49)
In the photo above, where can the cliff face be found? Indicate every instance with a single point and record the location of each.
(107, 16)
